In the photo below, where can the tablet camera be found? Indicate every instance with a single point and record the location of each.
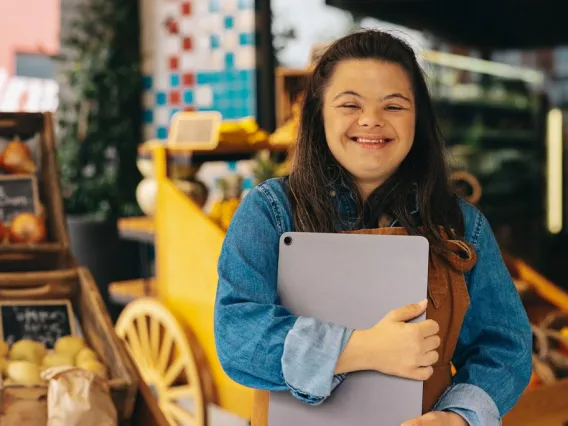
(288, 240)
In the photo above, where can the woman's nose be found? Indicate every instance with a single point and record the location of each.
(371, 119)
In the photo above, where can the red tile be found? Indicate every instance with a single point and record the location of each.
(186, 8)
(174, 98)
(174, 63)
(187, 43)
(189, 79)
(189, 109)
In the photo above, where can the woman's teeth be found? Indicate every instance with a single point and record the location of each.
(365, 140)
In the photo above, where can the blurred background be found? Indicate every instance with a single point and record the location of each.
(115, 73)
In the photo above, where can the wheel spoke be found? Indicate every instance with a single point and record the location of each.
(155, 337)
(165, 410)
(134, 344)
(144, 336)
(165, 352)
(180, 414)
(180, 392)
(173, 371)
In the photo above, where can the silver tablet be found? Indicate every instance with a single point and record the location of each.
(354, 280)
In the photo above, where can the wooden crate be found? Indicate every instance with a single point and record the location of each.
(27, 406)
(36, 129)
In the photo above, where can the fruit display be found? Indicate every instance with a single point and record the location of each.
(288, 132)
(23, 362)
(27, 228)
(16, 158)
(245, 130)
(223, 209)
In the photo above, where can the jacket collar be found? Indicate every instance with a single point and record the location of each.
(346, 205)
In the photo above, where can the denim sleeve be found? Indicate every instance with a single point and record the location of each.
(470, 402)
(493, 353)
(255, 336)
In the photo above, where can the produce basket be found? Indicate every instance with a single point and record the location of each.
(35, 131)
(27, 405)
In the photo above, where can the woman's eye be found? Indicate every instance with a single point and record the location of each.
(394, 108)
(350, 106)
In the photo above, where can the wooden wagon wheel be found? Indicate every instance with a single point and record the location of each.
(159, 346)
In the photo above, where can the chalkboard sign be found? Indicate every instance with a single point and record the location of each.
(18, 194)
(44, 321)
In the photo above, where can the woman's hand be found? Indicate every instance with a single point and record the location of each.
(438, 418)
(393, 346)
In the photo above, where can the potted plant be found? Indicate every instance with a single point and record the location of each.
(99, 129)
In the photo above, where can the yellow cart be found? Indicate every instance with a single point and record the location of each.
(170, 336)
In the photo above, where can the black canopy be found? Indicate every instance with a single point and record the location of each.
(485, 24)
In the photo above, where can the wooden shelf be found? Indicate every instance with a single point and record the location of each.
(225, 151)
(124, 292)
(140, 229)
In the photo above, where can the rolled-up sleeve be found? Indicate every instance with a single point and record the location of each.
(472, 403)
(261, 344)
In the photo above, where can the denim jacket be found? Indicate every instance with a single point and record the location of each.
(262, 345)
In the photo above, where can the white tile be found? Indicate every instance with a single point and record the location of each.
(161, 81)
(202, 24)
(216, 23)
(161, 116)
(202, 43)
(244, 21)
(230, 40)
(187, 25)
(188, 61)
(149, 132)
(203, 60)
(245, 57)
(168, 9)
(172, 44)
(200, 8)
(229, 6)
(204, 96)
(218, 60)
(148, 99)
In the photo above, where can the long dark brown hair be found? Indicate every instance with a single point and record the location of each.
(422, 179)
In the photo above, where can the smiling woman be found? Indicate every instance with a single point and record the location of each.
(369, 119)
(367, 114)
(370, 159)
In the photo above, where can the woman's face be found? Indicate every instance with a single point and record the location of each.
(369, 119)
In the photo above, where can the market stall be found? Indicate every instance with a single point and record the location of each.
(56, 335)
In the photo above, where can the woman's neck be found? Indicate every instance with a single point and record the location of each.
(367, 188)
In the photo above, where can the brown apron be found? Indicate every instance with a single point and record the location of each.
(448, 302)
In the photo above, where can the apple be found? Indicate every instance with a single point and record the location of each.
(27, 228)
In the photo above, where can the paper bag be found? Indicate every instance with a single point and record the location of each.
(77, 397)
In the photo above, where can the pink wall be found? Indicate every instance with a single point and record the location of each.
(30, 26)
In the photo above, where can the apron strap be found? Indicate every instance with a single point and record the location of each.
(463, 256)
